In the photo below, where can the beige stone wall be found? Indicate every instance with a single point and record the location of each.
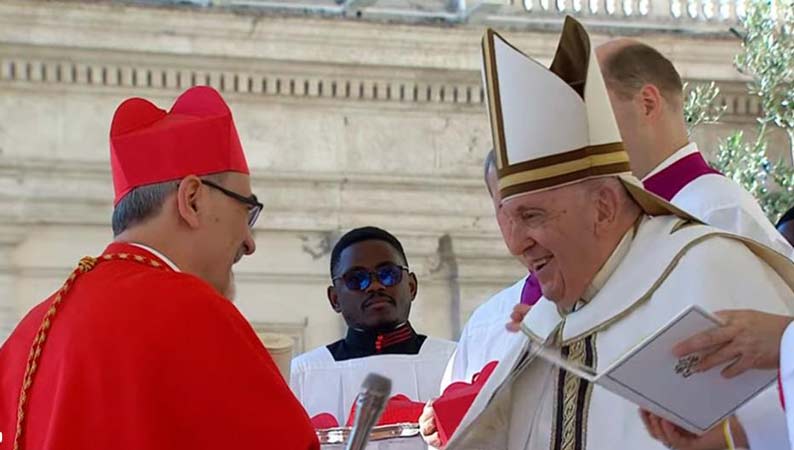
(345, 123)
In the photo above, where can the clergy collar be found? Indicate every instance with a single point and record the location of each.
(672, 159)
(362, 343)
(378, 341)
(154, 252)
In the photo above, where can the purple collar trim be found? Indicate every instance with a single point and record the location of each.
(671, 180)
(530, 293)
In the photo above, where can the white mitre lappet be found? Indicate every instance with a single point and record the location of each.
(553, 127)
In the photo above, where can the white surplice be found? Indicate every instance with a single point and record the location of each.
(484, 338)
(722, 203)
(324, 385)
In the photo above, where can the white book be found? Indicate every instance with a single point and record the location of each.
(650, 376)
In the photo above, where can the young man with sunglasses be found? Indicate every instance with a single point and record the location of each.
(372, 288)
(141, 347)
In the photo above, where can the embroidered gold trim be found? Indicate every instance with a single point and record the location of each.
(754, 247)
(563, 168)
(683, 223)
(569, 425)
(494, 96)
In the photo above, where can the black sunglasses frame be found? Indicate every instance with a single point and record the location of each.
(254, 205)
(370, 275)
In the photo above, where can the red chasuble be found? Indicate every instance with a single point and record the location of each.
(141, 357)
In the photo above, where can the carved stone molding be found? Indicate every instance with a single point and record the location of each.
(309, 85)
(136, 49)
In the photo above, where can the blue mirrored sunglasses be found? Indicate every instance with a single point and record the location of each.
(360, 279)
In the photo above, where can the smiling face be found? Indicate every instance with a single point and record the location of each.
(378, 307)
(560, 237)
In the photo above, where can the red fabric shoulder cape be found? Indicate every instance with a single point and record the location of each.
(146, 358)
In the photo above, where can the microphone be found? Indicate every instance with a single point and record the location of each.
(371, 401)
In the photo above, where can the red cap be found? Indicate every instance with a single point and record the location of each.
(149, 145)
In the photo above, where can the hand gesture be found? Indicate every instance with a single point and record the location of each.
(750, 339)
(517, 316)
(672, 436)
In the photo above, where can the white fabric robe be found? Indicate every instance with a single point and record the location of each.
(787, 377)
(663, 272)
(720, 202)
(714, 199)
(324, 385)
(484, 337)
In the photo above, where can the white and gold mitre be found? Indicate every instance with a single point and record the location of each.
(551, 127)
(554, 126)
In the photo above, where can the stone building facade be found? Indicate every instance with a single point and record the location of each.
(364, 113)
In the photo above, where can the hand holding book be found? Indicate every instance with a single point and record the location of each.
(747, 340)
(649, 375)
(676, 437)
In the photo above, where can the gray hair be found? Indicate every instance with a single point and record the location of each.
(140, 204)
(145, 202)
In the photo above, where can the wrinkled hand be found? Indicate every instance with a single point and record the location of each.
(751, 339)
(427, 426)
(675, 437)
(516, 317)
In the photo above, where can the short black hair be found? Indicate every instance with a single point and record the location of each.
(786, 217)
(364, 234)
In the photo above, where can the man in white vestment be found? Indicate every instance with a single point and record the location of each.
(646, 94)
(614, 262)
(373, 289)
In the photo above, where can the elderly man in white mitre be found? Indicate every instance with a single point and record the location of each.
(614, 262)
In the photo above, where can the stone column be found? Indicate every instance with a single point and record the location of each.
(10, 237)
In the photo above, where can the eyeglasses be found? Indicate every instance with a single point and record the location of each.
(360, 279)
(254, 206)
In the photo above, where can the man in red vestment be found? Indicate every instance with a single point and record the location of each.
(140, 349)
